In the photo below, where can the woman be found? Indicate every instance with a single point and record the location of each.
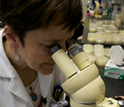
(31, 28)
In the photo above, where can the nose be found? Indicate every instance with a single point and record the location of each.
(63, 45)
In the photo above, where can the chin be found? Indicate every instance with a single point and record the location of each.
(46, 71)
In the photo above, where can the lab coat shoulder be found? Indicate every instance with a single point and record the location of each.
(8, 99)
(12, 90)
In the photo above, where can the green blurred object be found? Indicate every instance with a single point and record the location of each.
(108, 11)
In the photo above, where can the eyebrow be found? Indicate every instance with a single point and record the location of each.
(48, 40)
(52, 40)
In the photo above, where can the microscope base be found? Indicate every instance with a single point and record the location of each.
(107, 102)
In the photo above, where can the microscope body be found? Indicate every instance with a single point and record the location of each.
(84, 85)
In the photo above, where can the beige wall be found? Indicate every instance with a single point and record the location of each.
(84, 3)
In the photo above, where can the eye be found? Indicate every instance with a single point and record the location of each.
(49, 46)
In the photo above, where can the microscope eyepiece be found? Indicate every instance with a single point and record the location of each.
(54, 49)
(69, 43)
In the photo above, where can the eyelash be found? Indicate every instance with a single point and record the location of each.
(49, 47)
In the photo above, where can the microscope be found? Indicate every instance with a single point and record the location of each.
(84, 85)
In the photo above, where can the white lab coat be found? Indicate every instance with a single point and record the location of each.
(12, 91)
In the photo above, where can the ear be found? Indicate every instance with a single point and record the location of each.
(11, 37)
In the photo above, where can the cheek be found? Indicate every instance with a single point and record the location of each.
(37, 62)
(38, 56)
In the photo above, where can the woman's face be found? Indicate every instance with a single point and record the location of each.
(37, 43)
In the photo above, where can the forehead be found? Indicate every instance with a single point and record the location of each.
(52, 33)
(57, 32)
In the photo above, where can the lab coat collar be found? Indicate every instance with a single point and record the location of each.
(17, 88)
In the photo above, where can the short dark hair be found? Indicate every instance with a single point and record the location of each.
(26, 15)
